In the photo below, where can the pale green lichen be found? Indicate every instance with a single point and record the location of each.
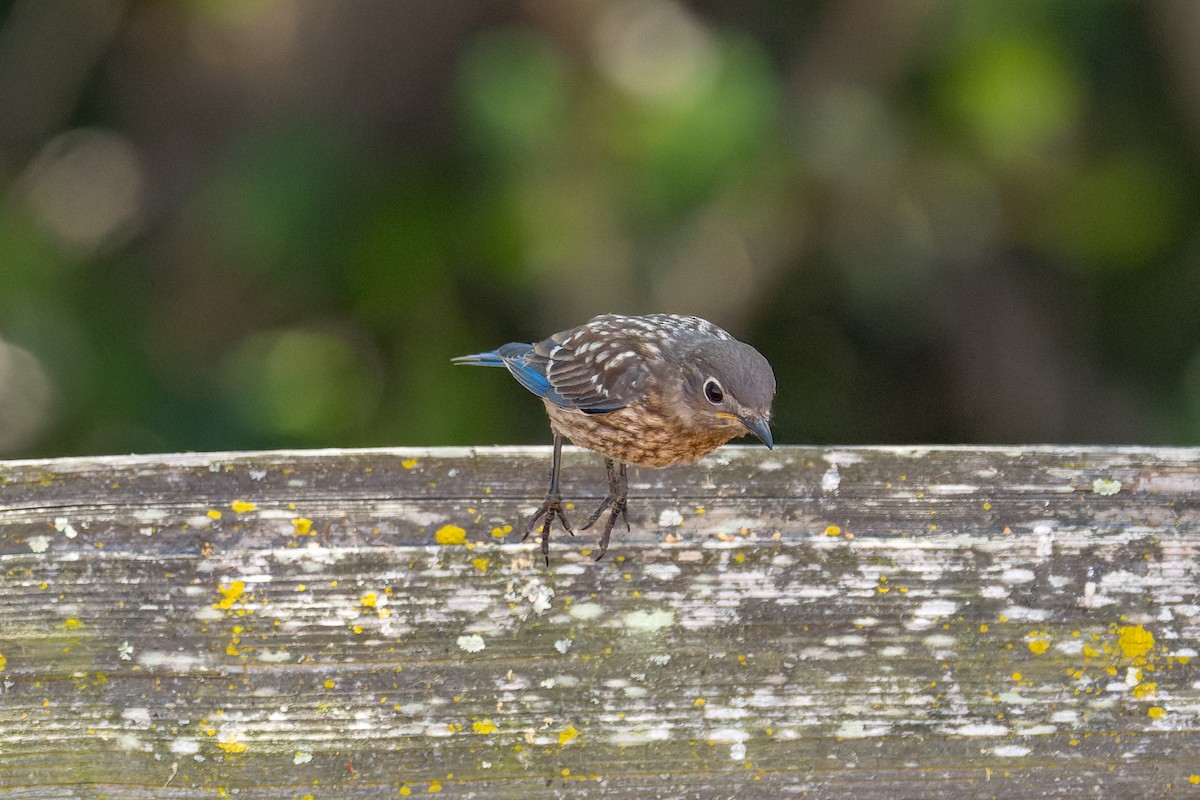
(471, 643)
(642, 621)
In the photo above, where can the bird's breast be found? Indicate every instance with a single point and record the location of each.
(639, 434)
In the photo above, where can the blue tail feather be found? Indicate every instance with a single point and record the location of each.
(515, 357)
(491, 359)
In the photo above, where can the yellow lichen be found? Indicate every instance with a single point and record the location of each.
(1038, 646)
(481, 564)
(1135, 641)
(369, 599)
(435, 786)
(833, 530)
(213, 513)
(408, 463)
(484, 726)
(450, 535)
(1145, 689)
(233, 746)
(501, 532)
(568, 735)
(242, 506)
(302, 525)
(230, 595)
(1155, 712)
(3, 661)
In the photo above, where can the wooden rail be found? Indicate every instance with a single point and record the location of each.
(858, 622)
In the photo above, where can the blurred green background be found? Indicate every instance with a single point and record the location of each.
(271, 223)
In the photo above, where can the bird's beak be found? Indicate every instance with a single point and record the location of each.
(760, 428)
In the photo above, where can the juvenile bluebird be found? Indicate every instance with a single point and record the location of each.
(651, 391)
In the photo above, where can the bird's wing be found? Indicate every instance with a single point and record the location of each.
(597, 368)
(527, 367)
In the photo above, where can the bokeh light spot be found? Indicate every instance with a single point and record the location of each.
(26, 397)
(513, 88)
(655, 49)
(86, 187)
(1017, 98)
(301, 383)
(1118, 213)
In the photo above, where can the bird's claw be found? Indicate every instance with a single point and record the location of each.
(615, 506)
(550, 509)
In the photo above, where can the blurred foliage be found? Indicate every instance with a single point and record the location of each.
(234, 224)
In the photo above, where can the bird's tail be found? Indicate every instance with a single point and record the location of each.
(489, 359)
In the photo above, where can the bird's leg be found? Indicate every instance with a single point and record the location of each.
(618, 494)
(552, 506)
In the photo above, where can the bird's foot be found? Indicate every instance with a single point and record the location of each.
(550, 509)
(615, 506)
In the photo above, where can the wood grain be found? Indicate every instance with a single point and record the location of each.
(859, 622)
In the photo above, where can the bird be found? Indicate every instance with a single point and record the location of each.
(652, 391)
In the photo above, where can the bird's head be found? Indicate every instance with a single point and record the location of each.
(729, 384)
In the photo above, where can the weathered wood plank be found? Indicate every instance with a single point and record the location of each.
(867, 622)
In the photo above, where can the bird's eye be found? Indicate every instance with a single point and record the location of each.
(712, 391)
